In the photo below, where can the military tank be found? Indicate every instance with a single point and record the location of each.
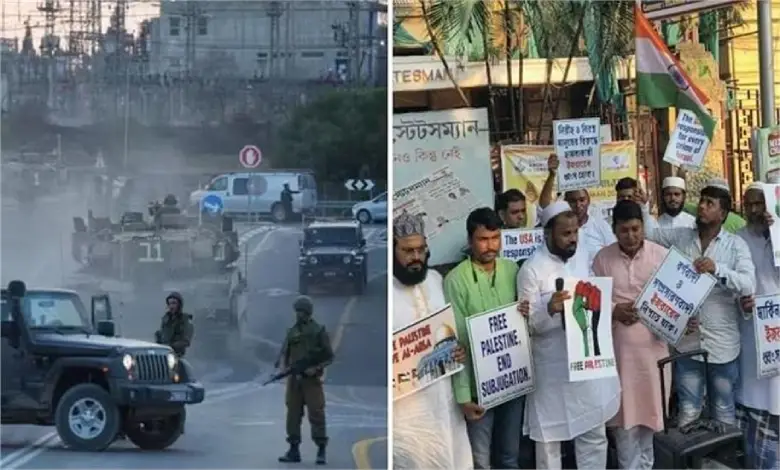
(166, 244)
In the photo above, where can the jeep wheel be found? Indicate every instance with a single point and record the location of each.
(278, 213)
(87, 419)
(157, 434)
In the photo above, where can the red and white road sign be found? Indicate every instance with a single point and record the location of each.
(250, 156)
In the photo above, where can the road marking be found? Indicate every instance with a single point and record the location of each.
(20, 454)
(360, 452)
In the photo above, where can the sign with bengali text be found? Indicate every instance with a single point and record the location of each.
(577, 143)
(766, 321)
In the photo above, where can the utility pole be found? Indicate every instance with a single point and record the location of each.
(274, 12)
(354, 41)
(766, 63)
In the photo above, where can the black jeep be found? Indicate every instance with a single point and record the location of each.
(334, 253)
(57, 369)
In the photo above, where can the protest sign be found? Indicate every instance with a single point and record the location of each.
(524, 167)
(765, 143)
(672, 296)
(423, 353)
(520, 244)
(578, 146)
(588, 321)
(772, 200)
(500, 355)
(441, 168)
(766, 321)
(688, 143)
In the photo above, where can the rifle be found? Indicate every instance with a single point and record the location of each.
(298, 367)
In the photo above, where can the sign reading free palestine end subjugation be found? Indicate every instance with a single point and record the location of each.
(688, 143)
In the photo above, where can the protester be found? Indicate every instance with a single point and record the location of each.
(429, 430)
(626, 189)
(758, 399)
(511, 207)
(559, 410)
(478, 284)
(716, 328)
(631, 263)
(673, 205)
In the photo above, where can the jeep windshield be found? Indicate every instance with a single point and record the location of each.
(60, 311)
(335, 236)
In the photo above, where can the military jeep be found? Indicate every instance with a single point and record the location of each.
(333, 253)
(59, 369)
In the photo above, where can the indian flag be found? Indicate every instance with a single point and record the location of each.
(661, 81)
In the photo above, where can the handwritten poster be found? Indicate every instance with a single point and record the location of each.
(524, 167)
(672, 296)
(766, 144)
(451, 148)
(501, 355)
(578, 146)
(766, 321)
(588, 321)
(772, 199)
(688, 143)
(520, 244)
(423, 353)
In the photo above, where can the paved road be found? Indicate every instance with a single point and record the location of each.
(240, 425)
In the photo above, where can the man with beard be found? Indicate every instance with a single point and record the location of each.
(716, 327)
(429, 430)
(758, 399)
(631, 263)
(560, 410)
(481, 283)
(672, 204)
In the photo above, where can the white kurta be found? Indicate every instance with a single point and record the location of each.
(429, 429)
(559, 410)
(683, 219)
(594, 235)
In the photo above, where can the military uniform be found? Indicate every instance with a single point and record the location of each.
(305, 338)
(176, 329)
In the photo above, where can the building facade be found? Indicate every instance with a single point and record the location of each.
(290, 40)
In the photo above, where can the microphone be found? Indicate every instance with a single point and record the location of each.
(559, 284)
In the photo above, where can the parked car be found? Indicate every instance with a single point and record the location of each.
(374, 210)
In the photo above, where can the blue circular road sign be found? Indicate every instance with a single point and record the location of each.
(212, 203)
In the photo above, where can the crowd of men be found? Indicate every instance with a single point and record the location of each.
(442, 426)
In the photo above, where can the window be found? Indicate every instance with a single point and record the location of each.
(330, 236)
(240, 187)
(174, 26)
(54, 310)
(381, 198)
(312, 55)
(258, 185)
(203, 26)
(219, 184)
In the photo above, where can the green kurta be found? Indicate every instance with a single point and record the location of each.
(469, 298)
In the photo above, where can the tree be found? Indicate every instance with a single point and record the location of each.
(336, 135)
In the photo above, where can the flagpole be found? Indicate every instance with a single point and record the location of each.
(766, 64)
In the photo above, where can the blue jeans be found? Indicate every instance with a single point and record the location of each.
(720, 383)
(501, 426)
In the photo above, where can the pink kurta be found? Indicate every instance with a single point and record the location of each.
(637, 349)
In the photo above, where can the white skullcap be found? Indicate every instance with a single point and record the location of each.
(673, 182)
(755, 185)
(718, 183)
(553, 210)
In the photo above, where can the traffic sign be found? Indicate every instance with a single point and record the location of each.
(359, 185)
(250, 156)
(212, 203)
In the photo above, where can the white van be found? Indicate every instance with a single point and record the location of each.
(260, 192)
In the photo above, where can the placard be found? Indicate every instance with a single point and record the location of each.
(766, 321)
(688, 143)
(500, 355)
(588, 322)
(577, 143)
(423, 353)
(520, 244)
(672, 296)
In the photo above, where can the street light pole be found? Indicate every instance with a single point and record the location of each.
(766, 63)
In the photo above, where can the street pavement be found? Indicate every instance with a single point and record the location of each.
(241, 423)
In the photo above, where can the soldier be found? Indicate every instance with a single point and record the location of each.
(176, 329)
(304, 339)
(286, 198)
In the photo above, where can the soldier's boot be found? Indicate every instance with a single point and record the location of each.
(293, 455)
(321, 455)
